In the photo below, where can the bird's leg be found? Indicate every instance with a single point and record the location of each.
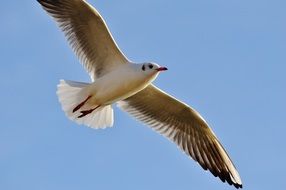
(86, 112)
(81, 104)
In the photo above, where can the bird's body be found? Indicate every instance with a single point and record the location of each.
(116, 80)
(121, 83)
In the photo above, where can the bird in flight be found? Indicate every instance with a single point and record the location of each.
(117, 80)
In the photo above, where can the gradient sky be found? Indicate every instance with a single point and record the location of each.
(226, 58)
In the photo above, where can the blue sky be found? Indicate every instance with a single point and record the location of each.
(226, 58)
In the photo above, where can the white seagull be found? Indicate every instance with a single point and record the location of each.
(115, 79)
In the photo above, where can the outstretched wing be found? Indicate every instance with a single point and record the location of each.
(184, 126)
(87, 34)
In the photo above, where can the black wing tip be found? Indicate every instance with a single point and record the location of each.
(225, 178)
(230, 182)
(41, 1)
(237, 186)
(48, 1)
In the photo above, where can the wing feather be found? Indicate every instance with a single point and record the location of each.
(87, 34)
(185, 127)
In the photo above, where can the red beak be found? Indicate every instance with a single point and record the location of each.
(162, 69)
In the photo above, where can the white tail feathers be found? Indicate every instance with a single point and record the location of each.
(71, 94)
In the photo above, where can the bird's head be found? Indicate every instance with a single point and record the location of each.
(151, 68)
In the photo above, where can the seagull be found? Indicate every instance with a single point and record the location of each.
(117, 80)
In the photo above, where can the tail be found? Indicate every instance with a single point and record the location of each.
(73, 95)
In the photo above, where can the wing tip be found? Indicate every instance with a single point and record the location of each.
(49, 2)
(42, 1)
(231, 181)
(237, 186)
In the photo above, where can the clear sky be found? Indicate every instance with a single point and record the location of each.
(226, 58)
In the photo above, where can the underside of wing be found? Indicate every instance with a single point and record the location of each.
(185, 127)
(87, 34)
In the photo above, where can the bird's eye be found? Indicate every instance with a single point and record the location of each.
(143, 67)
(150, 66)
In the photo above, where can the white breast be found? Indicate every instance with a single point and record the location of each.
(120, 84)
